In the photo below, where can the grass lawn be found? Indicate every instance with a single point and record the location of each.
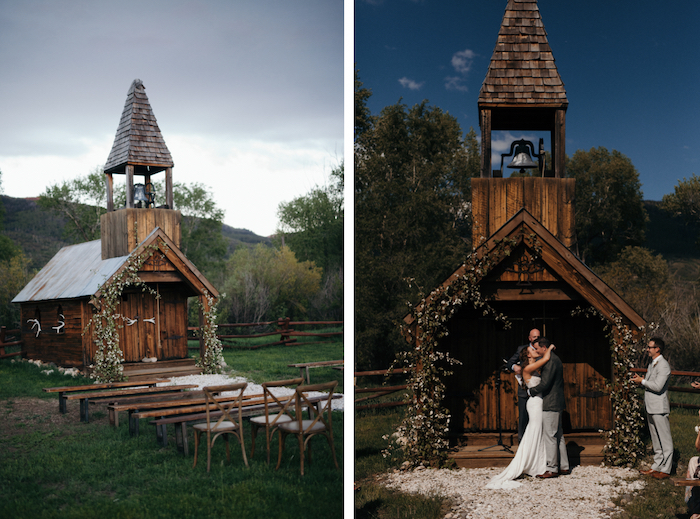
(52, 465)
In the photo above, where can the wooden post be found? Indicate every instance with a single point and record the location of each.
(130, 186)
(559, 157)
(110, 192)
(204, 307)
(169, 187)
(283, 324)
(485, 123)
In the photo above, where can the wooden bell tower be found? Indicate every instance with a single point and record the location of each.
(138, 150)
(523, 91)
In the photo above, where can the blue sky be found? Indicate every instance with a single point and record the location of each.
(631, 71)
(248, 94)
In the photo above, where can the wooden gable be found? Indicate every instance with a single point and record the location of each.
(168, 264)
(556, 274)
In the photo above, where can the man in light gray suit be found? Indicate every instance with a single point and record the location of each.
(655, 385)
(551, 388)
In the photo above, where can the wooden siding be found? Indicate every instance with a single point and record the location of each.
(64, 347)
(482, 345)
(125, 229)
(549, 200)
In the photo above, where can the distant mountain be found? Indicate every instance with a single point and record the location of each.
(40, 233)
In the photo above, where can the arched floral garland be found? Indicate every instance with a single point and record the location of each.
(105, 321)
(213, 360)
(423, 432)
(623, 443)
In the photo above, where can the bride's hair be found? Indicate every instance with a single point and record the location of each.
(524, 359)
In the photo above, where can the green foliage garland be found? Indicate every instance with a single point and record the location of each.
(105, 321)
(423, 432)
(623, 445)
(213, 360)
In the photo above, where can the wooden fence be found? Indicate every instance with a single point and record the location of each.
(7, 339)
(284, 328)
(379, 391)
(678, 389)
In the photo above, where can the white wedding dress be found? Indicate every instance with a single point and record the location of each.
(530, 457)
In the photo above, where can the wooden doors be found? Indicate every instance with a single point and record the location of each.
(480, 387)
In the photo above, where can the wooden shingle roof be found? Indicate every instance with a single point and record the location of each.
(138, 141)
(522, 71)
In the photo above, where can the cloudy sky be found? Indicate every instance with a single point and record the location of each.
(630, 69)
(248, 94)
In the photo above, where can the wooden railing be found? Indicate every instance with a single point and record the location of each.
(285, 329)
(9, 335)
(379, 391)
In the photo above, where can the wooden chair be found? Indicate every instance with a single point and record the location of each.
(277, 411)
(304, 430)
(225, 425)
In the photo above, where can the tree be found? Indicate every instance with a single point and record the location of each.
(363, 119)
(81, 201)
(84, 200)
(202, 241)
(8, 249)
(641, 279)
(266, 283)
(609, 207)
(684, 202)
(312, 225)
(411, 218)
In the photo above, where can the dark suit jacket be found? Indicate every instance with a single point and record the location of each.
(515, 359)
(552, 386)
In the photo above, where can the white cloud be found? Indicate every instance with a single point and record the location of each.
(410, 83)
(456, 83)
(462, 61)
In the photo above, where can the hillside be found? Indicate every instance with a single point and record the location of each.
(40, 233)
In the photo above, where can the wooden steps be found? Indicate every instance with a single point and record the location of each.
(136, 371)
(479, 450)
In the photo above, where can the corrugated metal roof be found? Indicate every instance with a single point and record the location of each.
(75, 271)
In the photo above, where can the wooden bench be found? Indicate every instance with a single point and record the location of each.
(180, 421)
(164, 409)
(160, 402)
(304, 366)
(113, 396)
(94, 387)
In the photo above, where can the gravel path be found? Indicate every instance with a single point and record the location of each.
(586, 493)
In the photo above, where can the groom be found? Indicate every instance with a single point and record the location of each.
(552, 390)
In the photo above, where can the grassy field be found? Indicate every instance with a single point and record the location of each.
(52, 465)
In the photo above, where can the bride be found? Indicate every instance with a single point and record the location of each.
(530, 458)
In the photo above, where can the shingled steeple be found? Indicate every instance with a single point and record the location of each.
(138, 141)
(522, 90)
(139, 147)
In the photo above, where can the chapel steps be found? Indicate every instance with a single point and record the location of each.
(479, 450)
